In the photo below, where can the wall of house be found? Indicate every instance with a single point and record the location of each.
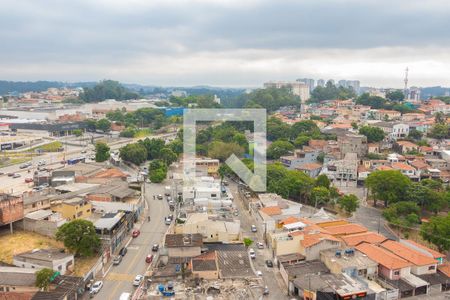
(15, 289)
(184, 251)
(11, 210)
(43, 204)
(43, 227)
(283, 247)
(61, 265)
(313, 252)
(421, 270)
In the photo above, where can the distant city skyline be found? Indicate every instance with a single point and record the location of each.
(226, 43)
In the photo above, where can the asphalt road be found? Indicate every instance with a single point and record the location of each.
(119, 279)
(268, 274)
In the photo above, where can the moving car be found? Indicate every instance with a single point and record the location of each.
(136, 233)
(16, 175)
(155, 247)
(253, 228)
(269, 263)
(137, 280)
(149, 258)
(252, 253)
(266, 291)
(258, 273)
(260, 245)
(10, 174)
(167, 221)
(28, 180)
(117, 260)
(160, 197)
(96, 287)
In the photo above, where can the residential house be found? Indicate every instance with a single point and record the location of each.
(291, 271)
(19, 281)
(369, 237)
(205, 266)
(352, 143)
(407, 170)
(305, 156)
(11, 208)
(348, 261)
(44, 222)
(112, 229)
(183, 245)
(420, 263)
(72, 209)
(437, 163)
(405, 146)
(209, 165)
(373, 148)
(344, 171)
(211, 228)
(54, 259)
(310, 169)
(35, 202)
(315, 241)
(439, 257)
(390, 265)
(393, 130)
(345, 229)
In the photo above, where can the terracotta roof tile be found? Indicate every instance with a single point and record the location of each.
(445, 268)
(309, 166)
(383, 257)
(408, 254)
(423, 247)
(402, 166)
(271, 210)
(289, 220)
(315, 238)
(346, 229)
(368, 237)
(383, 168)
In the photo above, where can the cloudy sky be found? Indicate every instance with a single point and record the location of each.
(226, 42)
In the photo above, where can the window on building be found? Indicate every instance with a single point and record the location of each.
(431, 267)
(396, 272)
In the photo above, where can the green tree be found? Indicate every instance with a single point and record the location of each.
(372, 101)
(440, 131)
(276, 129)
(349, 203)
(224, 170)
(222, 151)
(134, 153)
(291, 184)
(43, 277)
(104, 125)
(320, 195)
(415, 134)
(389, 186)
(322, 180)
(168, 156)
(301, 140)
(331, 92)
(176, 146)
(77, 132)
(395, 96)
(248, 242)
(157, 175)
(107, 89)
(279, 148)
(153, 147)
(402, 213)
(307, 128)
(79, 236)
(101, 152)
(440, 118)
(128, 132)
(373, 134)
(437, 232)
(354, 125)
(91, 125)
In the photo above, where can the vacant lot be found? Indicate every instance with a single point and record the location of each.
(22, 241)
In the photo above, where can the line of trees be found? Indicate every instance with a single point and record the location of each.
(107, 89)
(331, 92)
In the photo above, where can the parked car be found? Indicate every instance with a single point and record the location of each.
(252, 253)
(167, 221)
(160, 197)
(16, 175)
(10, 174)
(137, 280)
(269, 263)
(260, 245)
(123, 251)
(253, 228)
(28, 180)
(136, 233)
(155, 247)
(258, 273)
(149, 258)
(96, 287)
(117, 260)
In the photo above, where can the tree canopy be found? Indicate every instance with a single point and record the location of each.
(331, 92)
(437, 232)
(134, 153)
(349, 203)
(107, 89)
(373, 134)
(101, 152)
(79, 236)
(279, 148)
(389, 186)
(43, 277)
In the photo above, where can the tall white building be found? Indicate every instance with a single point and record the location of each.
(297, 88)
(308, 81)
(321, 82)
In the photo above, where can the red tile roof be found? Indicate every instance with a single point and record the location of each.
(402, 166)
(383, 257)
(368, 237)
(271, 210)
(346, 229)
(434, 253)
(415, 257)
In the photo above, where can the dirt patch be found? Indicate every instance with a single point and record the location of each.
(21, 241)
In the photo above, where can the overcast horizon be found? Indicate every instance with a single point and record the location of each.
(226, 43)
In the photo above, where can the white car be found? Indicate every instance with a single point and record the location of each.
(96, 287)
(260, 245)
(258, 273)
(125, 296)
(252, 253)
(137, 280)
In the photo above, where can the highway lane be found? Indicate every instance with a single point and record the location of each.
(119, 279)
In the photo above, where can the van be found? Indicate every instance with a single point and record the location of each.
(125, 296)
